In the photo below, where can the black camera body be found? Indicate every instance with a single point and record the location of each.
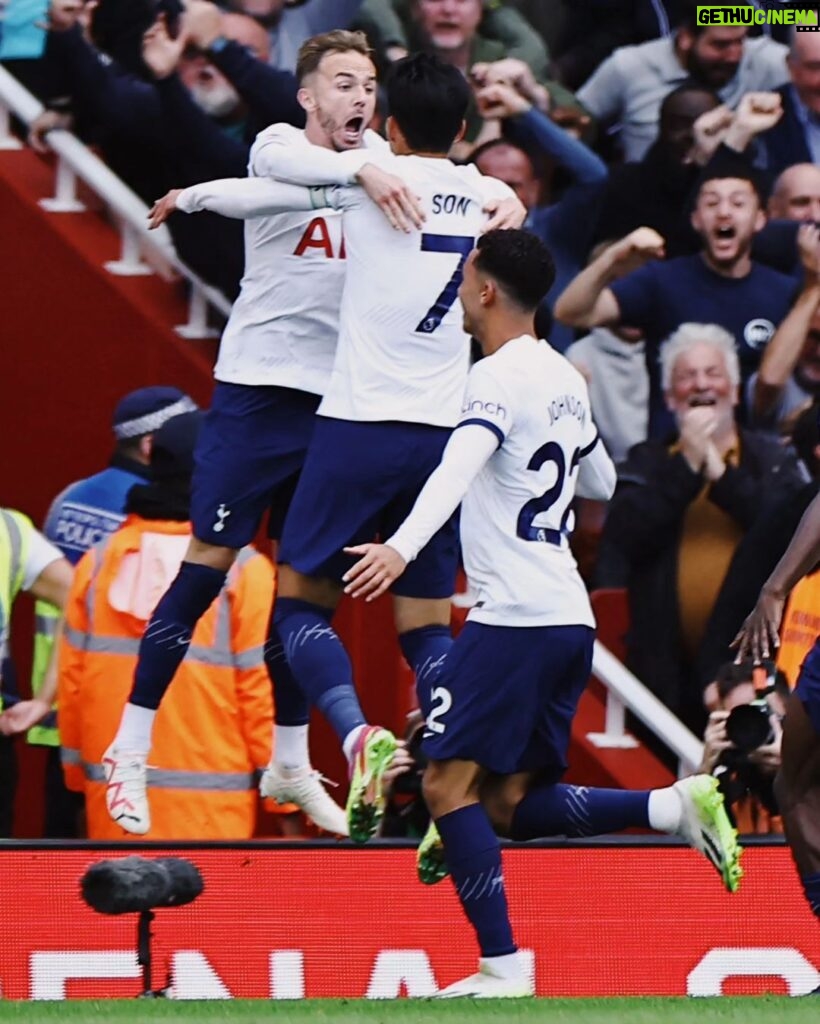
(749, 726)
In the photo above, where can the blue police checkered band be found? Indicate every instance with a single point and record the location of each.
(152, 421)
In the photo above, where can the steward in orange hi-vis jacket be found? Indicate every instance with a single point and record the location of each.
(213, 731)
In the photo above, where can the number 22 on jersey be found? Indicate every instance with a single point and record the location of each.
(553, 453)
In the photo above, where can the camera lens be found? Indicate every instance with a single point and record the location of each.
(748, 727)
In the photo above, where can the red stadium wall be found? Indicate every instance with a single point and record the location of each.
(346, 922)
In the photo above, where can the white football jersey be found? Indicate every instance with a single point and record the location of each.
(284, 325)
(403, 354)
(516, 515)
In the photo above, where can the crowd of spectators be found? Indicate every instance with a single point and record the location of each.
(673, 171)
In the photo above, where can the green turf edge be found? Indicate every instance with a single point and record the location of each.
(647, 1010)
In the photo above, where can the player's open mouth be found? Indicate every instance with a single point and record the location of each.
(353, 127)
(698, 400)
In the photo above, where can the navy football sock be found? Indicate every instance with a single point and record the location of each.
(319, 662)
(474, 859)
(560, 810)
(167, 636)
(811, 890)
(290, 705)
(425, 650)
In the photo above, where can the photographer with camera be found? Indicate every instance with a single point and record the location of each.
(406, 815)
(741, 744)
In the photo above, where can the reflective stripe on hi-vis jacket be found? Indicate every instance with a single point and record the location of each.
(46, 617)
(213, 729)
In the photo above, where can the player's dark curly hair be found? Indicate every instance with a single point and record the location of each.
(428, 100)
(519, 262)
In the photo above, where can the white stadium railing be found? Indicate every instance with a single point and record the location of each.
(626, 691)
(141, 251)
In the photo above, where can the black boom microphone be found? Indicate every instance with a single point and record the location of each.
(139, 885)
(134, 884)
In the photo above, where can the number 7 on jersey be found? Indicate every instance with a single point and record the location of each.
(461, 244)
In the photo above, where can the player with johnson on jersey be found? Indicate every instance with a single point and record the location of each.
(499, 707)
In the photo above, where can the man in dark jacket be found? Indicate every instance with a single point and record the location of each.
(680, 512)
(655, 189)
(795, 139)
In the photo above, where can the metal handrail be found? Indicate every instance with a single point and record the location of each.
(625, 690)
(75, 161)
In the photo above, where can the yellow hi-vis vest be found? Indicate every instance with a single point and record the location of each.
(46, 617)
(15, 536)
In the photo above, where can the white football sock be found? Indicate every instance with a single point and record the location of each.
(290, 746)
(134, 733)
(664, 810)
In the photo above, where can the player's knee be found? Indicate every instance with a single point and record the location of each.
(410, 613)
(446, 789)
(433, 788)
(500, 802)
(201, 553)
(291, 583)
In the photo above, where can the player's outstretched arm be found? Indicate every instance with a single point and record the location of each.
(240, 198)
(597, 475)
(282, 152)
(759, 635)
(380, 565)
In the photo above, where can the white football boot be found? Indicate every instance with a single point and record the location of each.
(303, 787)
(125, 789)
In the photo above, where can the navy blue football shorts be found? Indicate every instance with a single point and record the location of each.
(359, 482)
(505, 697)
(248, 457)
(808, 685)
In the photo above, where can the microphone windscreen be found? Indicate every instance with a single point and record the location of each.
(185, 881)
(126, 885)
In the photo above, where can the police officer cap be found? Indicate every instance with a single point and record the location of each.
(144, 411)
(172, 453)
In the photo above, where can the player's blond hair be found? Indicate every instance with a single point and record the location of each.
(339, 40)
